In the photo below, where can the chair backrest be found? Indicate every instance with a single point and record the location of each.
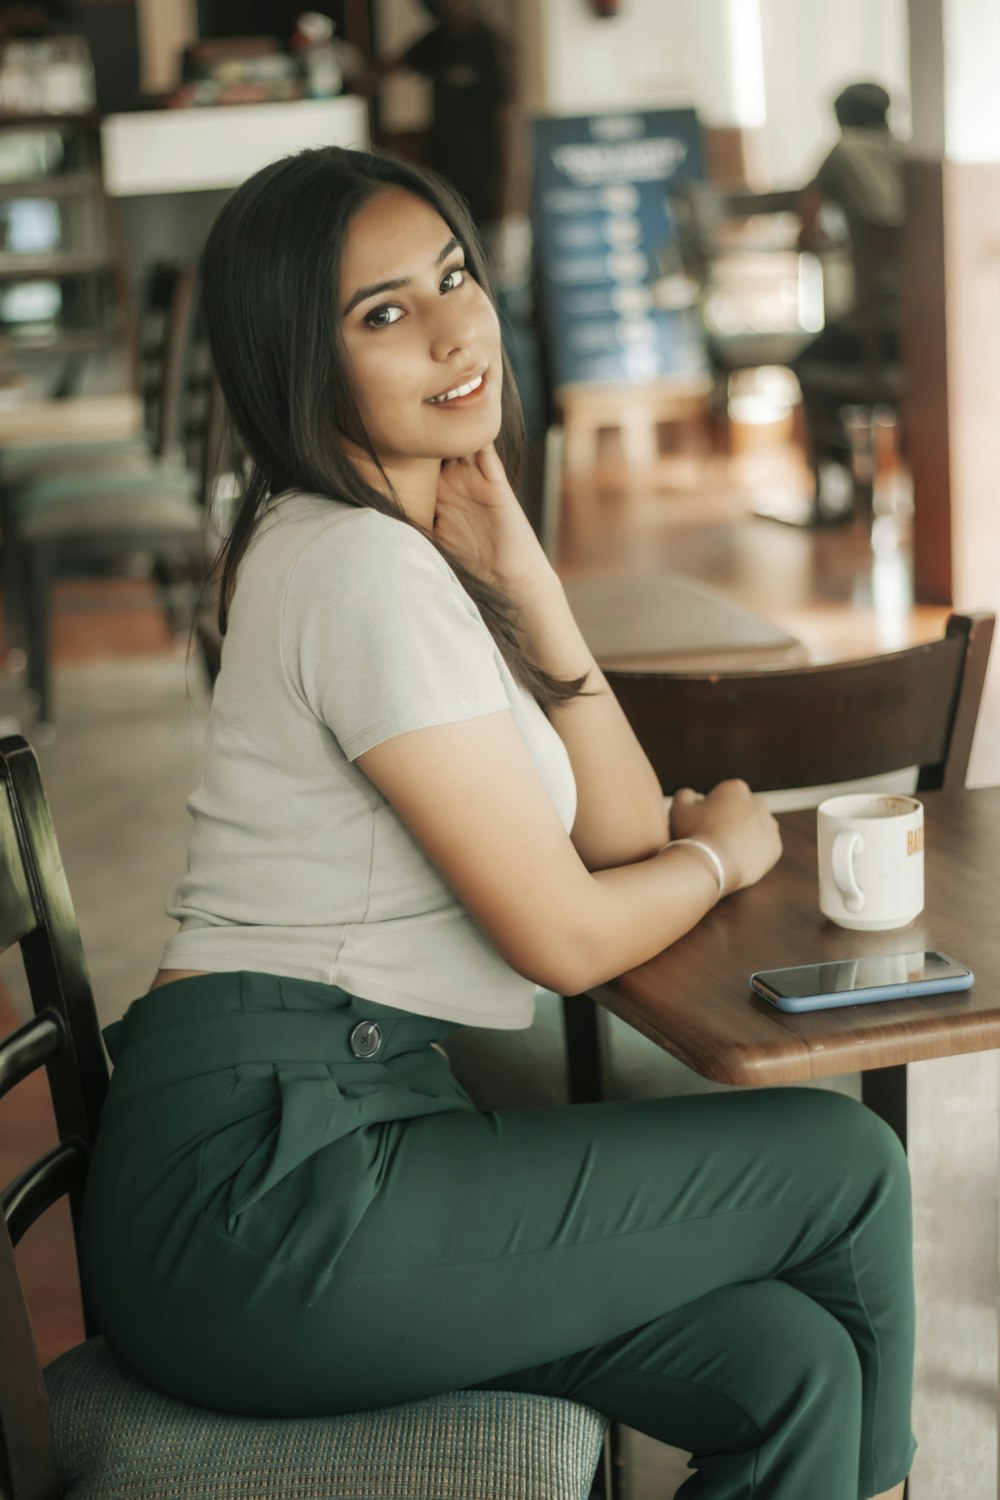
(701, 210)
(168, 320)
(185, 412)
(810, 725)
(37, 913)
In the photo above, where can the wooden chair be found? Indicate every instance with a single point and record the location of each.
(107, 502)
(708, 221)
(801, 727)
(86, 1428)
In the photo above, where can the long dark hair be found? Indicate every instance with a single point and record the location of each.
(270, 293)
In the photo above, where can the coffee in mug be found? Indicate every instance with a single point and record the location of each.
(871, 860)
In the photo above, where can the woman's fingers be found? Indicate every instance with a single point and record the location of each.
(489, 464)
(683, 814)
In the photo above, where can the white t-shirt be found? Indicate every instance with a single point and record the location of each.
(347, 627)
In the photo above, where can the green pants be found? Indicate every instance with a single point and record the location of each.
(293, 1208)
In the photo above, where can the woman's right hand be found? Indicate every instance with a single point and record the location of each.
(736, 824)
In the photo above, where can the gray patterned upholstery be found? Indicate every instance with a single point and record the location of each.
(120, 1440)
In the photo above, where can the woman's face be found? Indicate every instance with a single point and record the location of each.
(421, 337)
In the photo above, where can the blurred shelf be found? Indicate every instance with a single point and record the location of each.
(86, 119)
(70, 237)
(62, 340)
(71, 185)
(62, 263)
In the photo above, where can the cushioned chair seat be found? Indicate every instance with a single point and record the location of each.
(37, 460)
(85, 469)
(122, 513)
(744, 351)
(128, 479)
(120, 1440)
(852, 382)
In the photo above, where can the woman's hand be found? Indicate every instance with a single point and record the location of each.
(736, 824)
(478, 517)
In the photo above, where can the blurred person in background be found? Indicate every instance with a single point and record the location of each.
(862, 177)
(470, 70)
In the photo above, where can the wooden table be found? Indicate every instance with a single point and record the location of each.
(693, 999)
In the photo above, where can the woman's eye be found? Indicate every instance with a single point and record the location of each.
(453, 278)
(383, 317)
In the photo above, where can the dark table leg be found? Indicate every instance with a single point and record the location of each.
(884, 1092)
(584, 1025)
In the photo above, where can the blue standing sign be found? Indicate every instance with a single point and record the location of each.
(606, 245)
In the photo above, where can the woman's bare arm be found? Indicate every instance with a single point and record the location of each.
(620, 814)
(471, 797)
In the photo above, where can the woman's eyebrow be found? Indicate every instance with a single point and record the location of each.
(363, 293)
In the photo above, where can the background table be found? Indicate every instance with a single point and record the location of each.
(663, 621)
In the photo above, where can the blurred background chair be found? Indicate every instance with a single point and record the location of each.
(129, 506)
(86, 1429)
(760, 299)
(762, 302)
(845, 401)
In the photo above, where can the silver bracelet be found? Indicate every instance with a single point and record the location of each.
(714, 859)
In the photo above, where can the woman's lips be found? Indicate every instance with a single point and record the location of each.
(447, 402)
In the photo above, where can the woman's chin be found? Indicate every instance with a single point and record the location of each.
(469, 436)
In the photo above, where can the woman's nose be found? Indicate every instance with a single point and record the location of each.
(453, 332)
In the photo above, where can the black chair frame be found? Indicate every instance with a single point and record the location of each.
(36, 912)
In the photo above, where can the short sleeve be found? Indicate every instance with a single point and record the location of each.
(379, 637)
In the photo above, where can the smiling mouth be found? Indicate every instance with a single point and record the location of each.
(459, 393)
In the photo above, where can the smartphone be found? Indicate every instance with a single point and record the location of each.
(855, 981)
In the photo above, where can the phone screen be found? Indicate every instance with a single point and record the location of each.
(848, 974)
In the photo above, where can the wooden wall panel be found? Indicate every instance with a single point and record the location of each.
(735, 155)
(926, 411)
(972, 303)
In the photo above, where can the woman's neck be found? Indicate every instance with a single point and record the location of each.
(414, 483)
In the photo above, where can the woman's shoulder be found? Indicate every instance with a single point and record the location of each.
(303, 532)
(303, 516)
(317, 545)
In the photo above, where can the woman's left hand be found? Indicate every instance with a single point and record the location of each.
(478, 517)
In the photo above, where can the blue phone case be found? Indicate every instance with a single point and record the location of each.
(918, 987)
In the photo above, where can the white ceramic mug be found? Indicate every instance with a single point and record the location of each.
(871, 860)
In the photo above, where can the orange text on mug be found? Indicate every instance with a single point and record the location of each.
(915, 841)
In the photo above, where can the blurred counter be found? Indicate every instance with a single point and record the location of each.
(199, 150)
(169, 171)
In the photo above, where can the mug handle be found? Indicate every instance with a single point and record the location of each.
(845, 846)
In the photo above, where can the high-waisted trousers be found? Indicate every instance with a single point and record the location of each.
(275, 1224)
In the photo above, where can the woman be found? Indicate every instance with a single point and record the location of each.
(420, 801)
